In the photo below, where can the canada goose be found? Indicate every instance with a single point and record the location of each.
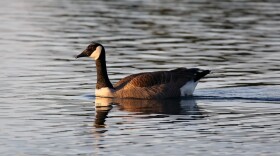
(149, 85)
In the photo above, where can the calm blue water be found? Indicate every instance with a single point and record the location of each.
(47, 102)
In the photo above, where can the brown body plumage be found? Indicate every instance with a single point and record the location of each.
(156, 85)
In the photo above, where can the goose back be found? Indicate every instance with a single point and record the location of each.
(156, 85)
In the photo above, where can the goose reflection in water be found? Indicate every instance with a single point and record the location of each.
(165, 107)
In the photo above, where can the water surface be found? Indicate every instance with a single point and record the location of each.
(47, 104)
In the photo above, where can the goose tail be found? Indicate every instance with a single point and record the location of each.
(200, 74)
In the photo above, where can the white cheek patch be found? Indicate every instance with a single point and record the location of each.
(96, 54)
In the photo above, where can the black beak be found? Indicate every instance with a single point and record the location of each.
(83, 54)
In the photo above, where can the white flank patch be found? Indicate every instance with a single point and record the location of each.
(95, 55)
(188, 88)
(104, 92)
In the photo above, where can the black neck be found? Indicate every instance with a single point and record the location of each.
(102, 76)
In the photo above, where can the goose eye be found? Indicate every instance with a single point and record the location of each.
(91, 48)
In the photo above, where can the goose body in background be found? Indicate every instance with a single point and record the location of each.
(149, 85)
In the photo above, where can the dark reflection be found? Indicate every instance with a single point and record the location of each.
(166, 107)
(101, 115)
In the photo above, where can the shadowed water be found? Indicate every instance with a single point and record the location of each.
(47, 96)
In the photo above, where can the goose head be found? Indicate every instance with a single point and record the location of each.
(94, 50)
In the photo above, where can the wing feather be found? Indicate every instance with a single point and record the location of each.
(156, 85)
(178, 76)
